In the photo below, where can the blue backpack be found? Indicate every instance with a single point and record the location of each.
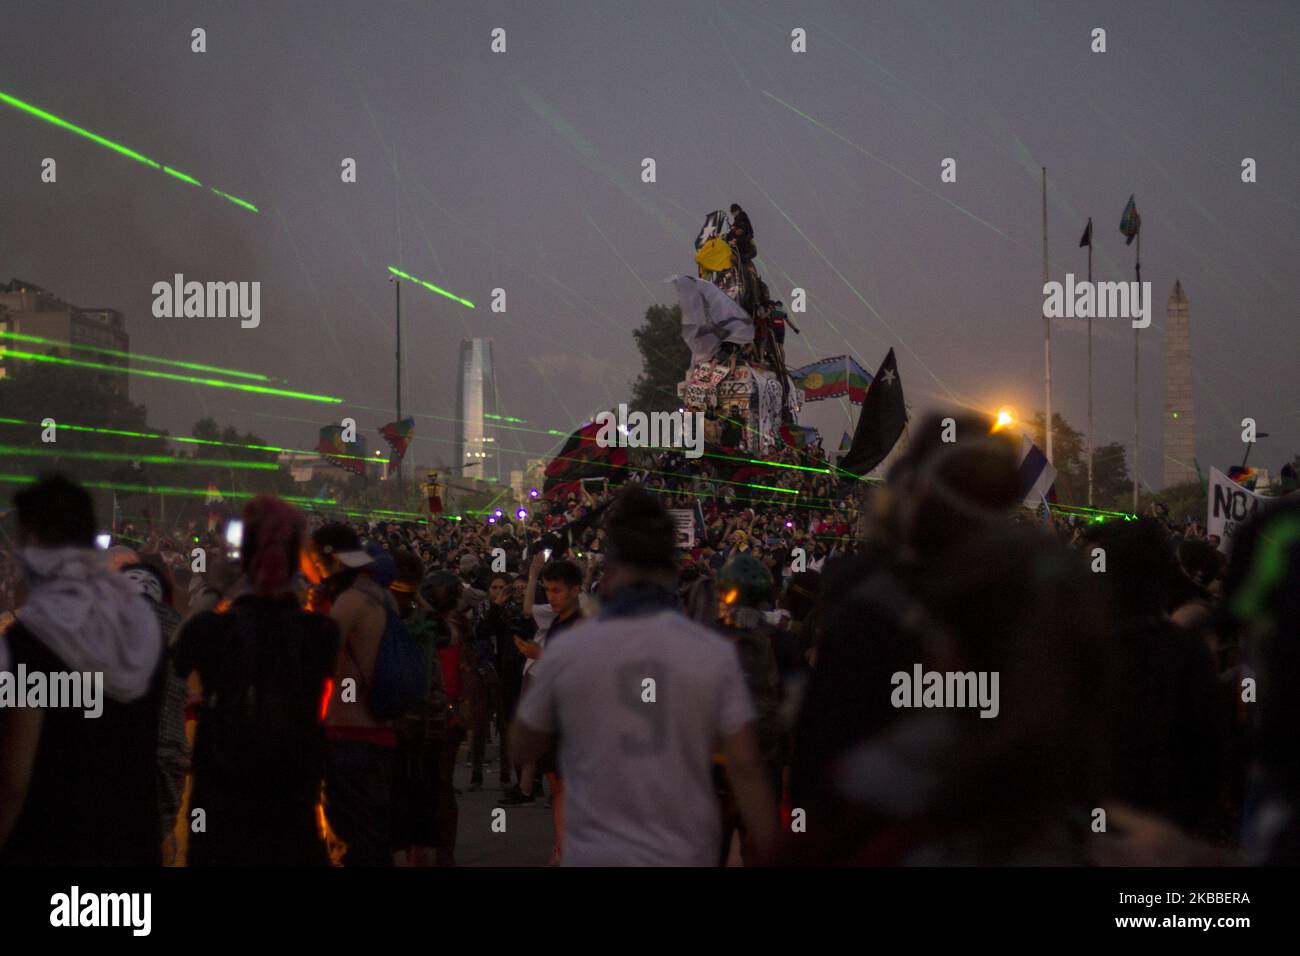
(399, 685)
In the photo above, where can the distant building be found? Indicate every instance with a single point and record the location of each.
(309, 468)
(476, 399)
(1180, 415)
(27, 309)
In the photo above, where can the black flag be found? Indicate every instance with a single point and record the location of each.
(582, 457)
(880, 422)
(1087, 235)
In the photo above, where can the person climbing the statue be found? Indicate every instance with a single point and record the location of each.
(742, 233)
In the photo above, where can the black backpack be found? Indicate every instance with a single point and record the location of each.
(261, 723)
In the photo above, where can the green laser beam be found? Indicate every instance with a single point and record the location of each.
(193, 366)
(19, 450)
(190, 441)
(64, 124)
(169, 376)
(1086, 510)
(414, 514)
(701, 494)
(899, 171)
(181, 176)
(445, 418)
(626, 468)
(674, 474)
(61, 123)
(172, 490)
(774, 464)
(235, 199)
(431, 287)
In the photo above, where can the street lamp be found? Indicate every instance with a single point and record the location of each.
(397, 285)
(1250, 445)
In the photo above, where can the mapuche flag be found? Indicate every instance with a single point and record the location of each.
(581, 457)
(1130, 223)
(798, 436)
(831, 377)
(338, 452)
(398, 435)
(880, 422)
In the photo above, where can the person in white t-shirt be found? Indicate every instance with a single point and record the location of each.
(564, 609)
(636, 702)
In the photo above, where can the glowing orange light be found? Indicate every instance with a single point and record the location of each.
(333, 845)
(325, 697)
(1006, 418)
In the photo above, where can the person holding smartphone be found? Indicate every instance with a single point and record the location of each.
(562, 581)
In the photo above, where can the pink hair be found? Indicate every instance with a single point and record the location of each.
(272, 536)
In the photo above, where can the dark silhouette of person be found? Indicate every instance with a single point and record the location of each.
(742, 233)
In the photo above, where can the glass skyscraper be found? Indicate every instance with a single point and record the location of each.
(476, 398)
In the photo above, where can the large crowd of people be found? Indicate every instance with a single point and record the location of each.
(733, 699)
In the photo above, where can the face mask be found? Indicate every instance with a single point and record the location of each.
(146, 584)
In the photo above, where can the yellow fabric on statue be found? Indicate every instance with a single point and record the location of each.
(714, 256)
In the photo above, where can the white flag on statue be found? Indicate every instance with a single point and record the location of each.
(710, 317)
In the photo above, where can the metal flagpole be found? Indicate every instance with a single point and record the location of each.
(1138, 268)
(398, 283)
(1090, 311)
(1047, 332)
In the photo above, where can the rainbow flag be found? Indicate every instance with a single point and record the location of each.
(398, 436)
(831, 378)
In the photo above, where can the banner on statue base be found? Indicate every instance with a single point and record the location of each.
(768, 395)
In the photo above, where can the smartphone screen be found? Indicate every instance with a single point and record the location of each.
(102, 541)
(546, 554)
(235, 534)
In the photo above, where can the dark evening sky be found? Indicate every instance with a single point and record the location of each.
(522, 171)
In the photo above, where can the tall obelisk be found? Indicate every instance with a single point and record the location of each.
(1180, 416)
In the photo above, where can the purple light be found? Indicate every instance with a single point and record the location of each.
(499, 512)
(532, 492)
(521, 514)
(492, 520)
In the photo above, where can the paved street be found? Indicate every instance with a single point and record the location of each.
(527, 840)
(528, 837)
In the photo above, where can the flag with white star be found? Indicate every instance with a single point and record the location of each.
(881, 422)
